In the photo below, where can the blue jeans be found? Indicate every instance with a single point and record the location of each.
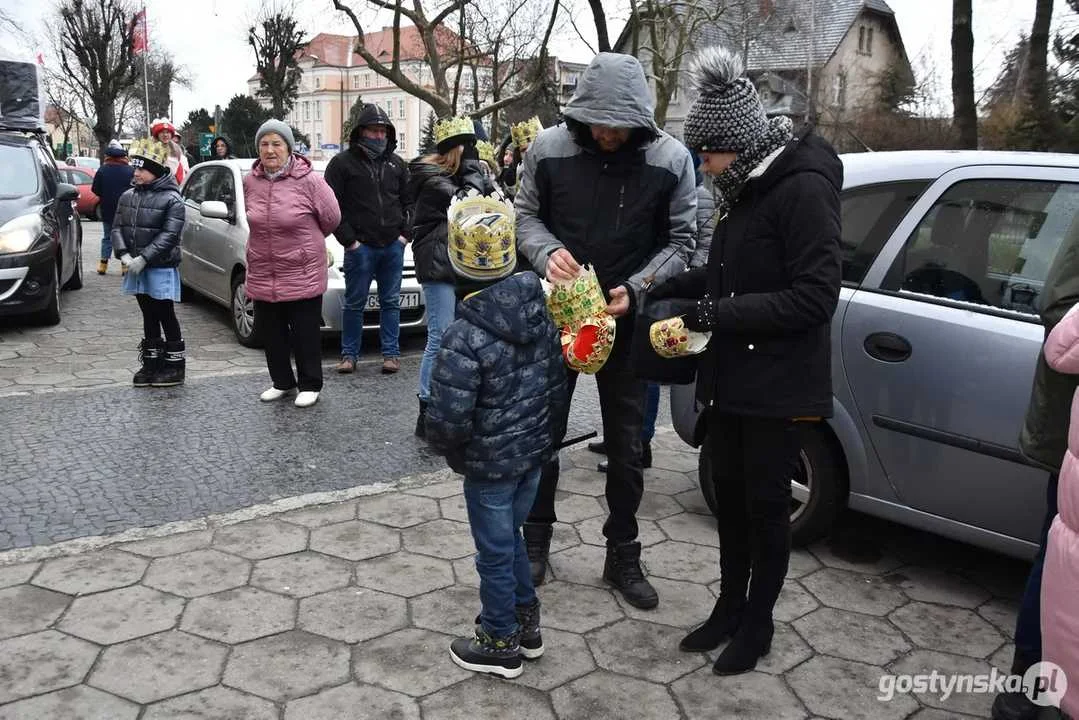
(106, 242)
(496, 511)
(1028, 628)
(384, 266)
(441, 307)
(651, 411)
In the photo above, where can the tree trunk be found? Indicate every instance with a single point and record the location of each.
(965, 112)
(1040, 123)
(603, 41)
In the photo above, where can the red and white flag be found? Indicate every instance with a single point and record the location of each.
(140, 43)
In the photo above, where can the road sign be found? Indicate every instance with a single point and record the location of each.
(204, 144)
(330, 146)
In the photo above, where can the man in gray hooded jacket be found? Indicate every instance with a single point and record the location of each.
(609, 189)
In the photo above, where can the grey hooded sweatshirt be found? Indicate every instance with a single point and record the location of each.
(632, 214)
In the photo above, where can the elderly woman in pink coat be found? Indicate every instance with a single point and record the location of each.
(290, 211)
(1060, 579)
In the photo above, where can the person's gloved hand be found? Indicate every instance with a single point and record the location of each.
(136, 265)
(704, 315)
(689, 284)
(126, 258)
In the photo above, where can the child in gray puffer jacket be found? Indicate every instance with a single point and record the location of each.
(498, 412)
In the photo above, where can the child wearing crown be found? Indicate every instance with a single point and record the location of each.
(146, 237)
(497, 411)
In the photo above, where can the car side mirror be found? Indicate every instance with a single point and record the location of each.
(66, 192)
(215, 209)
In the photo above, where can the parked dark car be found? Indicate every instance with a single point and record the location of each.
(40, 230)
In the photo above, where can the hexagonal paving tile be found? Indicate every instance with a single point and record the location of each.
(42, 662)
(17, 574)
(852, 636)
(170, 544)
(346, 700)
(394, 661)
(355, 540)
(655, 506)
(74, 703)
(260, 539)
(159, 666)
(287, 666)
(573, 508)
(397, 509)
(850, 591)
(682, 561)
(949, 629)
(453, 508)
(679, 461)
(445, 539)
(788, 651)
(302, 574)
(802, 563)
(353, 614)
(570, 659)
(1002, 659)
(691, 528)
(602, 695)
(199, 572)
(321, 515)
(215, 702)
(681, 604)
(239, 615)
(693, 501)
(464, 572)
(924, 662)
(118, 615)
(591, 532)
(794, 602)
(26, 609)
(855, 553)
(583, 481)
(752, 695)
(845, 689)
(582, 564)
(1001, 613)
(482, 697)
(935, 586)
(404, 573)
(655, 654)
(577, 608)
(91, 572)
(667, 482)
(438, 490)
(449, 610)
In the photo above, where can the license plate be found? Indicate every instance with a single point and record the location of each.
(408, 300)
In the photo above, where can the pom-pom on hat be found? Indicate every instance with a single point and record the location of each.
(150, 154)
(453, 131)
(728, 115)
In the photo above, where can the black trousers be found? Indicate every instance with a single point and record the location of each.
(289, 329)
(753, 460)
(621, 404)
(158, 315)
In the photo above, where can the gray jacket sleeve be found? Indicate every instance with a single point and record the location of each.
(706, 227)
(534, 240)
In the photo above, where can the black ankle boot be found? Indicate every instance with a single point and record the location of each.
(150, 351)
(421, 427)
(173, 365)
(623, 570)
(538, 545)
(751, 642)
(720, 625)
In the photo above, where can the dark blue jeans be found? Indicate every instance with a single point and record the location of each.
(383, 265)
(651, 412)
(106, 241)
(1028, 628)
(496, 511)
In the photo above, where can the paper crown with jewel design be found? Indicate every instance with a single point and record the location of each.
(151, 154)
(453, 131)
(525, 132)
(579, 310)
(486, 151)
(481, 237)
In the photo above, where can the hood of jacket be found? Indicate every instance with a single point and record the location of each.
(807, 152)
(300, 166)
(613, 92)
(512, 309)
(163, 183)
(373, 115)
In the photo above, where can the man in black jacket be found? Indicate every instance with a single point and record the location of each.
(371, 185)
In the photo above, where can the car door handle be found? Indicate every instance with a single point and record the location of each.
(888, 347)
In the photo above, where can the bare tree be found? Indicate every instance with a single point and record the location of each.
(64, 101)
(1039, 121)
(443, 50)
(599, 17)
(276, 38)
(964, 110)
(96, 53)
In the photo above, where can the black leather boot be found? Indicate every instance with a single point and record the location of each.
(623, 570)
(720, 625)
(173, 365)
(150, 353)
(751, 642)
(421, 427)
(538, 545)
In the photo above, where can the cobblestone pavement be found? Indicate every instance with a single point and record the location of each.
(345, 610)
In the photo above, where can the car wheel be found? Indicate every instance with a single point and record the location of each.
(75, 281)
(817, 487)
(51, 314)
(243, 313)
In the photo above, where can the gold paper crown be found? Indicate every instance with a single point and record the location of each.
(670, 338)
(587, 348)
(481, 237)
(525, 132)
(150, 149)
(451, 127)
(579, 309)
(486, 151)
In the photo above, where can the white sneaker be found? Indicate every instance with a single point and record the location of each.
(307, 398)
(275, 394)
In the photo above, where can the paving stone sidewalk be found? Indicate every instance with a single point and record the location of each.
(345, 610)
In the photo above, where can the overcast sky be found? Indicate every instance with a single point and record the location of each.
(207, 37)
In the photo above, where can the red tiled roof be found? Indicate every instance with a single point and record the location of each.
(336, 49)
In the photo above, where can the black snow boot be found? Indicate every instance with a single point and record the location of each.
(622, 569)
(528, 617)
(538, 545)
(150, 352)
(421, 421)
(485, 654)
(173, 366)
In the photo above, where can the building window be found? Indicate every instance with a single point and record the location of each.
(318, 83)
(400, 107)
(318, 139)
(869, 41)
(318, 109)
(367, 80)
(861, 38)
(355, 82)
(839, 90)
(306, 110)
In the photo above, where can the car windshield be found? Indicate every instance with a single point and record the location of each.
(18, 176)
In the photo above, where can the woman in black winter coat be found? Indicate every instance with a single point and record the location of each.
(434, 181)
(767, 295)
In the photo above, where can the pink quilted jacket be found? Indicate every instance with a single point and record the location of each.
(1060, 581)
(289, 217)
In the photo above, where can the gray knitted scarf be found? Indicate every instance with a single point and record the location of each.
(729, 183)
(284, 169)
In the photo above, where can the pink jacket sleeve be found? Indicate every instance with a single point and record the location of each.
(324, 202)
(1062, 345)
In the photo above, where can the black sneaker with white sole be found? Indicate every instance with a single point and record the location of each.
(486, 654)
(531, 641)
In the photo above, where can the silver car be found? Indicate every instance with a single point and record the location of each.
(214, 263)
(934, 345)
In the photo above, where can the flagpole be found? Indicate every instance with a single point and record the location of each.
(145, 74)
